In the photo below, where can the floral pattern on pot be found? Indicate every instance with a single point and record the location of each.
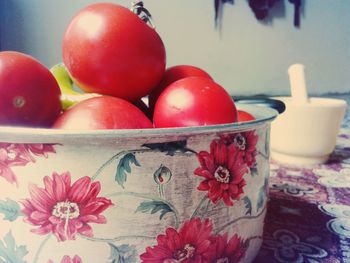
(245, 143)
(223, 171)
(194, 242)
(67, 259)
(12, 154)
(180, 200)
(231, 251)
(65, 209)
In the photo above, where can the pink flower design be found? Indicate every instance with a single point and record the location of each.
(7, 173)
(10, 154)
(245, 143)
(191, 244)
(16, 154)
(228, 251)
(67, 259)
(65, 209)
(223, 171)
(37, 149)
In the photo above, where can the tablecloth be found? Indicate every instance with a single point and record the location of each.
(308, 216)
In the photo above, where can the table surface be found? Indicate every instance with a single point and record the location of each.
(308, 216)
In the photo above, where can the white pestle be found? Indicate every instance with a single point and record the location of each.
(296, 74)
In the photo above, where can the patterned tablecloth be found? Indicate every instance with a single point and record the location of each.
(308, 218)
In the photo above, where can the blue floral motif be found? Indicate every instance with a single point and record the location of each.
(336, 210)
(344, 245)
(333, 178)
(340, 225)
(293, 190)
(288, 247)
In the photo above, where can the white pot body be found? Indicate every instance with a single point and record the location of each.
(128, 196)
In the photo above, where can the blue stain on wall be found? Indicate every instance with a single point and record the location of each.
(245, 55)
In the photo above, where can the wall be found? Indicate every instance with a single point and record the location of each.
(244, 55)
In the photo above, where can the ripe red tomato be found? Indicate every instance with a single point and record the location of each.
(103, 112)
(194, 101)
(29, 93)
(244, 116)
(108, 49)
(171, 75)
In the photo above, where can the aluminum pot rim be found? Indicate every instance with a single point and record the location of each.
(262, 114)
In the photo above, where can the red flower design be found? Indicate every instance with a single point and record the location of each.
(228, 251)
(223, 171)
(191, 244)
(65, 209)
(245, 143)
(16, 154)
(67, 259)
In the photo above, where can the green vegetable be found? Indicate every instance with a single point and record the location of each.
(69, 96)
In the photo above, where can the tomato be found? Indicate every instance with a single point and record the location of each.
(108, 49)
(171, 75)
(194, 101)
(244, 116)
(29, 93)
(103, 112)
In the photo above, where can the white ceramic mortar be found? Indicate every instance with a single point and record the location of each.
(306, 133)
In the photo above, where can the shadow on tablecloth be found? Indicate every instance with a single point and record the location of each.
(296, 231)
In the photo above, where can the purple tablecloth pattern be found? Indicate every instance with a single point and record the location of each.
(308, 216)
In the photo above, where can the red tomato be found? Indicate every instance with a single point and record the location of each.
(244, 116)
(108, 49)
(29, 93)
(103, 112)
(194, 101)
(171, 75)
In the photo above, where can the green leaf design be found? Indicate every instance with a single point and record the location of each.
(248, 205)
(170, 148)
(153, 207)
(124, 168)
(10, 209)
(254, 171)
(10, 252)
(122, 254)
(262, 195)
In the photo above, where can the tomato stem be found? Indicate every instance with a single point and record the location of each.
(138, 8)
